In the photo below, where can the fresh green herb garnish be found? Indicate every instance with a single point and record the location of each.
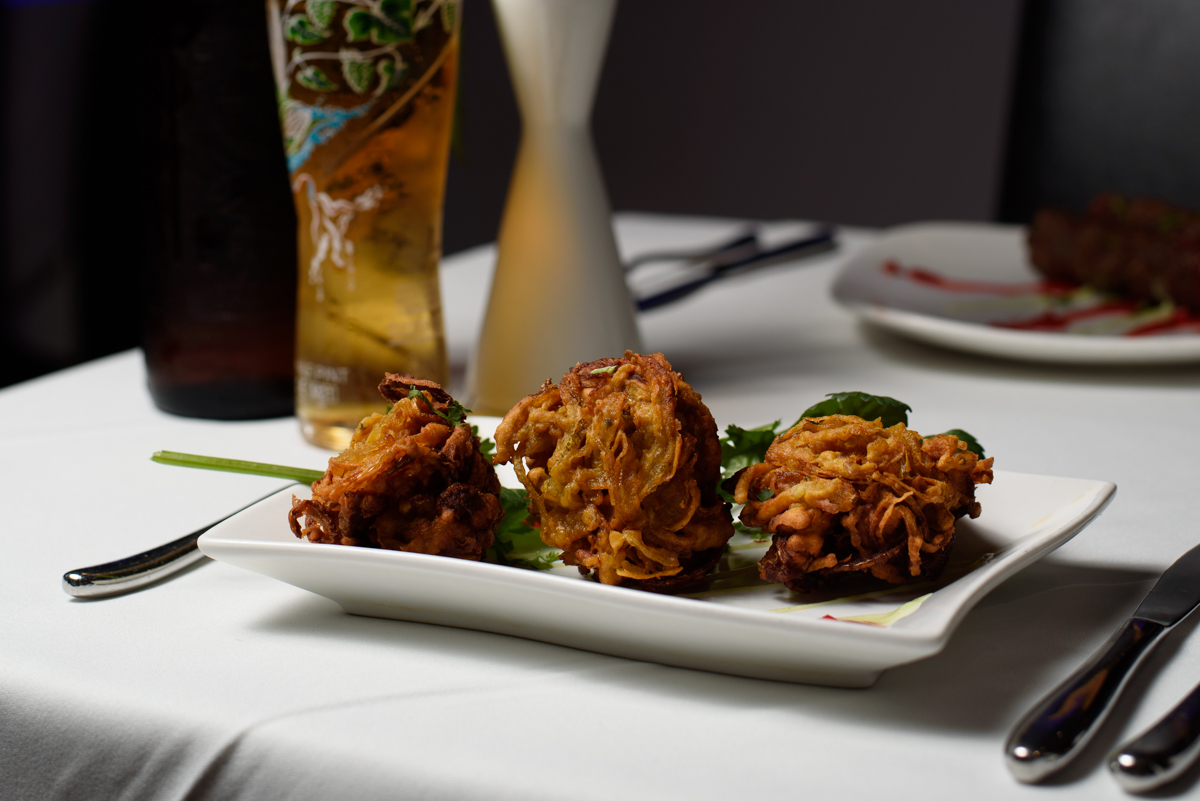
(742, 447)
(757, 534)
(237, 466)
(888, 411)
(609, 370)
(518, 544)
(455, 411)
(487, 448)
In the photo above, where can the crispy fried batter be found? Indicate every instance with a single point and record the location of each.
(843, 495)
(621, 462)
(409, 481)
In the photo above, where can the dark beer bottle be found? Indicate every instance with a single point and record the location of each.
(221, 293)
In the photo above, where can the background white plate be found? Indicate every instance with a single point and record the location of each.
(741, 632)
(962, 320)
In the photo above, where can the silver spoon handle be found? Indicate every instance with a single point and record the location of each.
(1160, 754)
(135, 572)
(1054, 731)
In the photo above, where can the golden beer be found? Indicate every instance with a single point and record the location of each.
(366, 95)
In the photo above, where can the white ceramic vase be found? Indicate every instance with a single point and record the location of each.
(558, 295)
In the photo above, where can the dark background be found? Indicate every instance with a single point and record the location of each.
(866, 112)
(870, 113)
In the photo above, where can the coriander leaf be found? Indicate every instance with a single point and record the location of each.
(609, 370)
(755, 533)
(487, 448)
(414, 393)
(766, 494)
(455, 411)
(514, 535)
(972, 443)
(742, 447)
(888, 411)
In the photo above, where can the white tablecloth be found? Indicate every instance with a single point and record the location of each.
(223, 684)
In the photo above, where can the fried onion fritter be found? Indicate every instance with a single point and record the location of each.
(409, 481)
(621, 462)
(842, 495)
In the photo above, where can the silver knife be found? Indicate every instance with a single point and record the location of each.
(1054, 731)
(1163, 752)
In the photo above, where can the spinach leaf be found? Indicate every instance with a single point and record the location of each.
(888, 411)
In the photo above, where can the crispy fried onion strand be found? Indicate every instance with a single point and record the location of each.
(620, 461)
(841, 494)
(409, 481)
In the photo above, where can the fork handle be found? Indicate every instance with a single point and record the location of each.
(135, 572)
(1162, 753)
(1054, 731)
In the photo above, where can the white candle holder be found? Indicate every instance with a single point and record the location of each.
(558, 295)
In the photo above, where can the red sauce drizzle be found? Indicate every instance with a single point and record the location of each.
(859, 622)
(1049, 320)
(920, 275)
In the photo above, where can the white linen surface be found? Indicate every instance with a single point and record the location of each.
(223, 684)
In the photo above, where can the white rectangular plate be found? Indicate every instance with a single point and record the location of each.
(762, 632)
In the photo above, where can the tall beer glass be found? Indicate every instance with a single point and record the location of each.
(366, 99)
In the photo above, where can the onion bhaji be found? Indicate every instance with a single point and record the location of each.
(621, 463)
(842, 495)
(409, 481)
